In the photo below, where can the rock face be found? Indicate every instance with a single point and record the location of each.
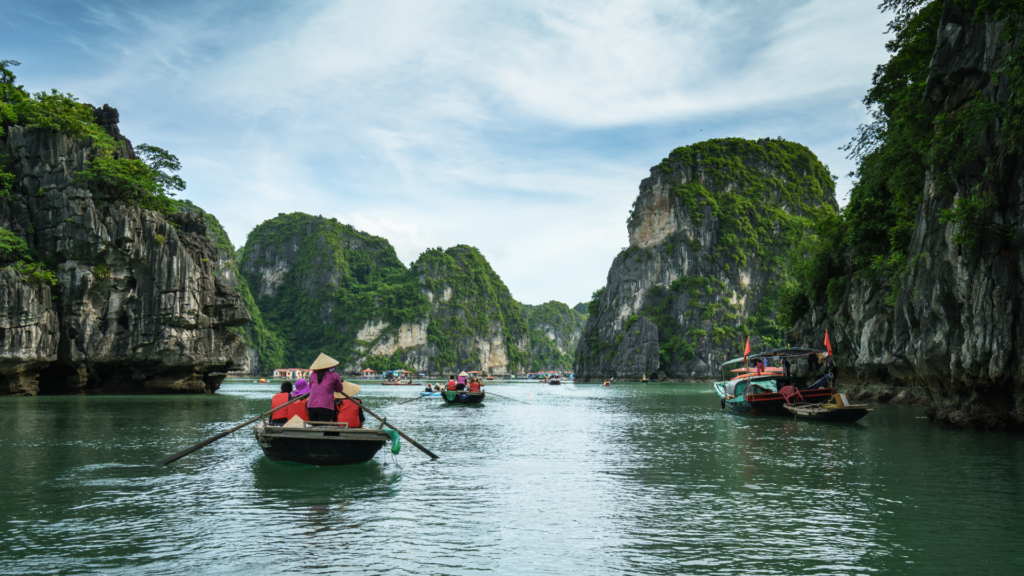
(263, 346)
(28, 333)
(709, 238)
(474, 321)
(555, 331)
(137, 307)
(325, 286)
(954, 333)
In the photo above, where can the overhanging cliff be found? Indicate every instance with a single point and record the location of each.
(136, 306)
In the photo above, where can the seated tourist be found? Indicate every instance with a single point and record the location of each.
(451, 383)
(350, 410)
(279, 417)
(474, 385)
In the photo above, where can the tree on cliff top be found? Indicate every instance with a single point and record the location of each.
(146, 182)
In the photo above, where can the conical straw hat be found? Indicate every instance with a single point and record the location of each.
(295, 422)
(323, 361)
(349, 388)
(463, 374)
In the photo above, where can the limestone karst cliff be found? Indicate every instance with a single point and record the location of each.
(555, 331)
(323, 285)
(264, 347)
(710, 235)
(936, 312)
(136, 306)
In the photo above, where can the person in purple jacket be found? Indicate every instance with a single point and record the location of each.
(323, 383)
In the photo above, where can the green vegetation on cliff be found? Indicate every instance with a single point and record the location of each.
(470, 301)
(566, 324)
(908, 137)
(767, 196)
(14, 250)
(337, 279)
(146, 181)
(764, 194)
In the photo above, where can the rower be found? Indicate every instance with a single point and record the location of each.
(279, 417)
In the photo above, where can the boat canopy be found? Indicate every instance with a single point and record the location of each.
(780, 352)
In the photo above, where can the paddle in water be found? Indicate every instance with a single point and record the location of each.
(213, 439)
(400, 433)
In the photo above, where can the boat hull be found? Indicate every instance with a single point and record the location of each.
(326, 446)
(461, 397)
(819, 414)
(770, 403)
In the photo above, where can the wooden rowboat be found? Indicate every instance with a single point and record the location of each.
(319, 444)
(462, 397)
(838, 409)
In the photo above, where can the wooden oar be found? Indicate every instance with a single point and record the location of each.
(400, 433)
(507, 398)
(413, 399)
(213, 439)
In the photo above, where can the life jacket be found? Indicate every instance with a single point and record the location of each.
(298, 409)
(451, 384)
(348, 411)
(276, 401)
(474, 386)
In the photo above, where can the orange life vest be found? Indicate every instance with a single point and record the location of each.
(348, 411)
(474, 386)
(298, 409)
(276, 401)
(451, 384)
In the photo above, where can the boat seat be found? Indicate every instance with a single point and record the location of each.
(839, 400)
(790, 392)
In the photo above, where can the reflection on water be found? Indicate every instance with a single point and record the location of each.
(636, 479)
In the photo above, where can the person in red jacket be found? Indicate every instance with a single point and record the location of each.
(350, 410)
(451, 382)
(474, 385)
(279, 417)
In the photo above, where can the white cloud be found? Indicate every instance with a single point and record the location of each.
(521, 128)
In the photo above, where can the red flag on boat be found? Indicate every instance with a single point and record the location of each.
(828, 345)
(746, 350)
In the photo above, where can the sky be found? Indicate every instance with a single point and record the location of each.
(522, 128)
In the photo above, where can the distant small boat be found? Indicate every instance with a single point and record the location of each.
(554, 380)
(462, 397)
(838, 409)
(425, 393)
(326, 444)
(399, 383)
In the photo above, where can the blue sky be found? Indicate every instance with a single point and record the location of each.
(521, 128)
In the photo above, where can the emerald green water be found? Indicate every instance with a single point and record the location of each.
(631, 479)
